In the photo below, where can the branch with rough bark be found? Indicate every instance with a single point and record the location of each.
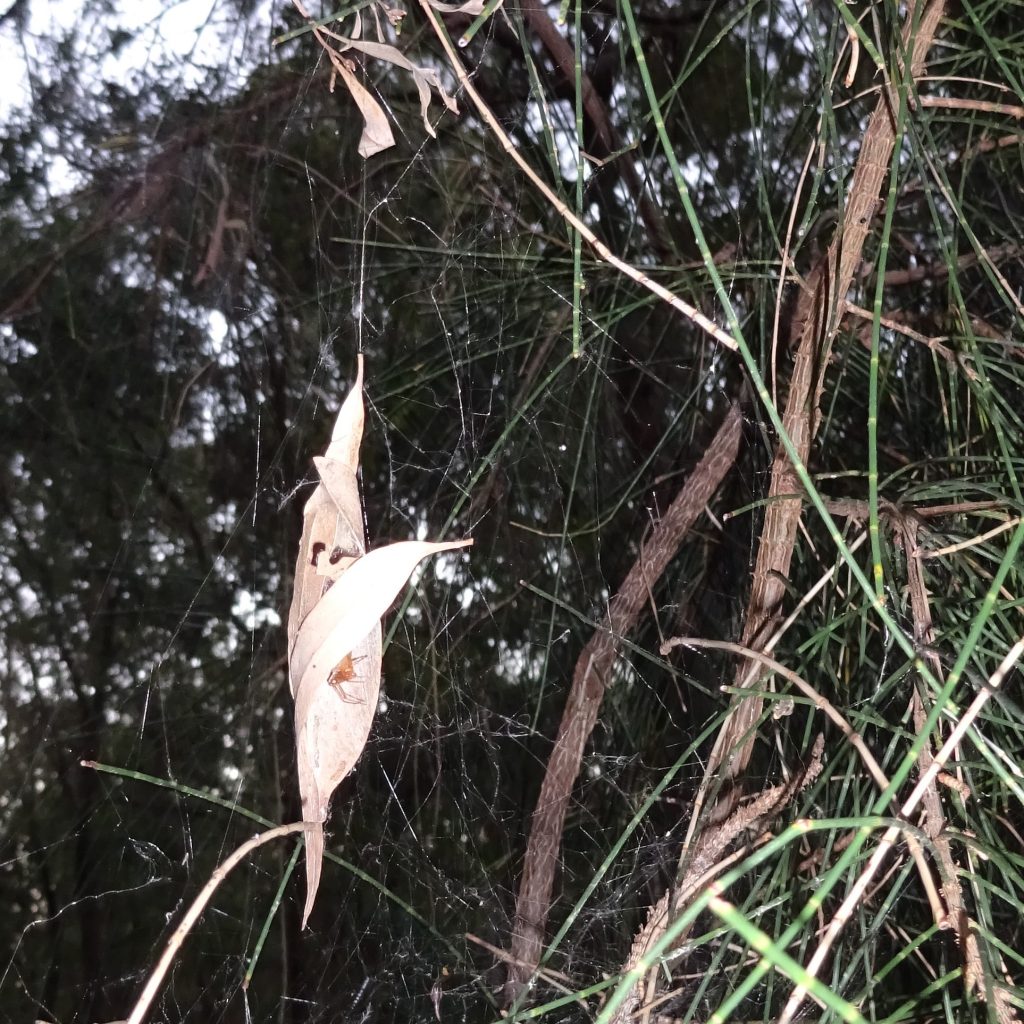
(935, 825)
(814, 326)
(591, 678)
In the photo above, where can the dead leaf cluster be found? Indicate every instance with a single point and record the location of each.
(377, 135)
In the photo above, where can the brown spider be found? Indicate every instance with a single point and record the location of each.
(342, 673)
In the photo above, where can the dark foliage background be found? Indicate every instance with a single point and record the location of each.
(161, 399)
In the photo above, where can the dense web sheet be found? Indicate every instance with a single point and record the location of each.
(189, 707)
(197, 253)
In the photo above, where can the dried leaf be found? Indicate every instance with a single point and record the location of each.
(377, 133)
(425, 78)
(376, 130)
(395, 15)
(332, 517)
(334, 631)
(469, 7)
(349, 610)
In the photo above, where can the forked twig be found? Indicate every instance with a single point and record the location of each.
(927, 779)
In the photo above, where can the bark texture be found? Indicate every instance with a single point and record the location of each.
(590, 680)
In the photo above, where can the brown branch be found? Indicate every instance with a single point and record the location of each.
(987, 144)
(935, 820)
(814, 327)
(959, 103)
(939, 270)
(894, 323)
(591, 677)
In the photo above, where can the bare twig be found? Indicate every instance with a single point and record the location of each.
(935, 820)
(663, 293)
(935, 344)
(554, 978)
(960, 103)
(198, 905)
(971, 542)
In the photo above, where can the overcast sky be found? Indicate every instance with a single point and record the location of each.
(195, 34)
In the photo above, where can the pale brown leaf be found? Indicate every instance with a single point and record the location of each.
(377, 134)
(424, 78)
(334, 631)
(332, 517)
(349, 610)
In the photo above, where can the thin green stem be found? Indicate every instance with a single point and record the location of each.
(271, 914)
(217, 801)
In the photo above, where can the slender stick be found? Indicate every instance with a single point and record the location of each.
(858, 889)
(637, 275)
(198, 905)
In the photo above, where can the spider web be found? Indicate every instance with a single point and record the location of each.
(206, 254)
(462, 307)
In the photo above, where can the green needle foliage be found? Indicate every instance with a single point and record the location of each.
(194, 251)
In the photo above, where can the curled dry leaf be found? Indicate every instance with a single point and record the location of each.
(377, 135)
(469, 7)
(425, 79)
(334, 631)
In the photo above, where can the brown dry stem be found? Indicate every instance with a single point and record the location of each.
(591, 677)
(194, 912)
(934, 818)
(599, 247)
(814, 327)
(707, 861)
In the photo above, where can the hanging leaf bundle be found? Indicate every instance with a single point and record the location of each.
(334, 630)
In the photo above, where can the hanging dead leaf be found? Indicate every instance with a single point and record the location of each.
(377, 134)
(334, 632)
(425, 79)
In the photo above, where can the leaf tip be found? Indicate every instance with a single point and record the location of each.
(314, 837)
